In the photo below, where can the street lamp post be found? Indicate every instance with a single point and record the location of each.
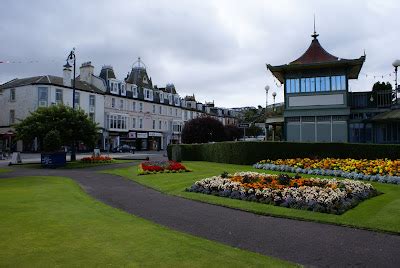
(273, 127)
(266, 112)
(71, 58)
(396, 64)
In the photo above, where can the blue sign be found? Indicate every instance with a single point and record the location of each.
(53, 160)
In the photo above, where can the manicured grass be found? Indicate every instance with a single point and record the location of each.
(381, 213)
(4, 170)
(50, 221)
(78, 164)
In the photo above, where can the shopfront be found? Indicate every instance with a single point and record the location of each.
(155, 141)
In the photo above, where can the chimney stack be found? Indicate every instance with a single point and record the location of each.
(86, 72)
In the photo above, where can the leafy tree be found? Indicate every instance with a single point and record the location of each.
(52, 141)
(254, 131)
(202, 130)
(232, 132)
(71, 125)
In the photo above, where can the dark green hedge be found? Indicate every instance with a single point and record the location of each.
(246, 153)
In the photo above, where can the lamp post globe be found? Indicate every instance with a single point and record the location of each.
(396, 63)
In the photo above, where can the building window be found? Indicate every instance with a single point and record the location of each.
(12, 117)
(161, 97)
(170, 98)
(59, 96)
(176, 100)
(154, 109)
(123, 90)
(170, 111)
(77, 99)
(160, 110)
(43, 96)
(148, 94)
(121, 104)
(338, 82)
(113, 87)
(12, 94)
(133, 122)
(133, 106)
(140, 122)
(159, 124)
(154, 124)
(176, 112)
(141, 107)
(92, 101)
(317, 84)
(117, 121)
(112, 102)
(134, 91)
(92, 105)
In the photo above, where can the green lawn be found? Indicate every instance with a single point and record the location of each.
(379, 213)
(50, 221)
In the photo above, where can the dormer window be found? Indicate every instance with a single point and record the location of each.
(134, 91)
(177, 101)
(148, 94)
(113, 87)
(170, 98)
(161, 97)
(145, 79)
(123, 90)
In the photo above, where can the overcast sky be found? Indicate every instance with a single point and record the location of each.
(214, 49)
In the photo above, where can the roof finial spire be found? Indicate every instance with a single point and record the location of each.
(314, 35)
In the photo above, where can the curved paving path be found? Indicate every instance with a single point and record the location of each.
(307, 243)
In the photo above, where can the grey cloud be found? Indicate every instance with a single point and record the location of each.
(214, 49)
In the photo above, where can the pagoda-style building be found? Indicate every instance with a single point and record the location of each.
(316, 94)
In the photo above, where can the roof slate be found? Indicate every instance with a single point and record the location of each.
(315, 54)
(50, 80)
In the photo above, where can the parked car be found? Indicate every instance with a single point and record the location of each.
(124, 149)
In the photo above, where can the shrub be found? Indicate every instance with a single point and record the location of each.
(203, 129)
(248, 153)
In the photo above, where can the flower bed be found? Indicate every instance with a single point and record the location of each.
(381, 170)
(321, 195)
(96, 159)
(151, 167)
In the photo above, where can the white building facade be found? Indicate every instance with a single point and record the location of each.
(128, 111)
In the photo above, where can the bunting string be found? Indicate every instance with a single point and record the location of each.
(27, 61)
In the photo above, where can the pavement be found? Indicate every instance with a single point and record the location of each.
(306, 243)
(31, 158)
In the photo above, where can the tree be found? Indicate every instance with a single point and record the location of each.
(52, 141)
(202, 130)
(71, 125)
(382, 86)
(254, 131)
(232, 132)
